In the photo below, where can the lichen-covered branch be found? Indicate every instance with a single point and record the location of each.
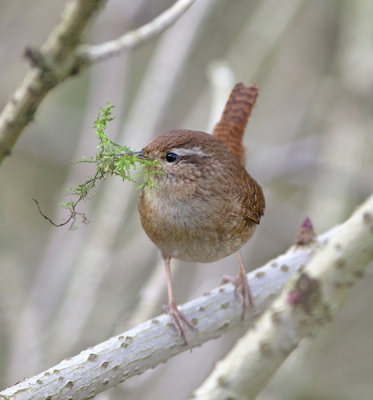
(62, 57)
(309, 301)
(155, 341)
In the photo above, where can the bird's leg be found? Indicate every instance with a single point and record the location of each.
(178, 318)
(242, 286)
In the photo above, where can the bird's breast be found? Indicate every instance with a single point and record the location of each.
(194, 228)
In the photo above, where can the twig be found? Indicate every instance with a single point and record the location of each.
(155, 341)
(71, 217)
(89, 54)
(307, 303)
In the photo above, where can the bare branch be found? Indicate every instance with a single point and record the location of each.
(61, 58)
(306, 304)
(89, 54)
(155, 341)
(51, 65)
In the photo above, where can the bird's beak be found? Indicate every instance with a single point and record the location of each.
(140, 154)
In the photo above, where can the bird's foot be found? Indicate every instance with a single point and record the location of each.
(242, 290)
(179, 320)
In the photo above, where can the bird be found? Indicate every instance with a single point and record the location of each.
(204, 205)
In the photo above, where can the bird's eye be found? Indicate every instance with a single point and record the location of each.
(172, 157)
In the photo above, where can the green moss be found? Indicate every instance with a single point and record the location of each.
(111, 159)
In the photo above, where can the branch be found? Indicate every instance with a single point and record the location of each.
(89, 54)
(61, 58)
(155, 341)
(50, 66)
(308, 302)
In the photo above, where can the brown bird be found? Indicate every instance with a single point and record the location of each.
(205, 206)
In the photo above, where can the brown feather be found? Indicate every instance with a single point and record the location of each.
(231, 127)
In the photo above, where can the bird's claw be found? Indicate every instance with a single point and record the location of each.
(179, 319)
(242, 291)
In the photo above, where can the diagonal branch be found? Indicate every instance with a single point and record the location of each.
(90, 54)
(53, 63)
(61, 57)
(307, 303)
(155, 341)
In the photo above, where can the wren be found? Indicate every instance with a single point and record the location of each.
(205, 205)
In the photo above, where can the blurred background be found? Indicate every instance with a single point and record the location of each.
(309, 144)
